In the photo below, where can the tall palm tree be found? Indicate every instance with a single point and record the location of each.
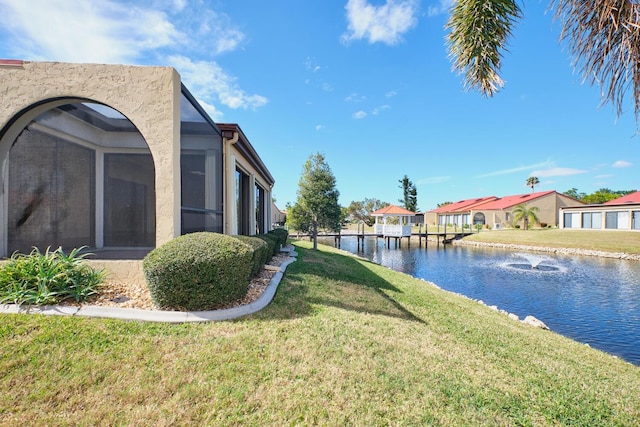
(603, 37)
(523, 213)
(532, 181)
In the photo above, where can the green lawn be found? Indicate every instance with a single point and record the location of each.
(345, 342)
(598, 240)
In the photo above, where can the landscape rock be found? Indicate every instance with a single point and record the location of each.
(530, 320)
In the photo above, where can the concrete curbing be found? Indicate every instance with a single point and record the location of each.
(161, 315)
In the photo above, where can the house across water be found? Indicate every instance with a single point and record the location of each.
(497, 212)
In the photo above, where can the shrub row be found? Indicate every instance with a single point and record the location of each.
(203, 271)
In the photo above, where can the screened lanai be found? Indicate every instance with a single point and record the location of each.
(81, 174)
(118, 159)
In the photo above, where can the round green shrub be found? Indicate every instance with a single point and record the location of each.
(198, 271)
(272, 241)
(281, 234)
(260, 248)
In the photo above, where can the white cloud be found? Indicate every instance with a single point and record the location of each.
(516, 169)
(543, 173)
(207, 80)
(320, 127)
(105, 32)
(433, 180)
(359, 115)
(311, 65)
(144, 32)
(228, 40)
(621, 164)
(442, 8)
(380, 109)
(355, 97)
(211, 110)
(385, 24)
(390, 94)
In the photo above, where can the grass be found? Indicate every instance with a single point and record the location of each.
(598, 240)
(345, 342)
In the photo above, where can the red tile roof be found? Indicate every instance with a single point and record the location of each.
(392, 210)
(463, 205)
(629, 198)
(509, 201)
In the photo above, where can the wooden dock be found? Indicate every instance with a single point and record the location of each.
(444, 237)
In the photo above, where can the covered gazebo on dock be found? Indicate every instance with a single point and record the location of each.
(392, 222)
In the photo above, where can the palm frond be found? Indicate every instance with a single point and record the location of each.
(479, 33)
(604, 39)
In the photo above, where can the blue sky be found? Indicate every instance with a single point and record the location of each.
(367, 83)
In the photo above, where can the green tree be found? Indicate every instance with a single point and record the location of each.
(532, 181)
(439, 205)
(602, 195)
(317, 203)
(603, 38)
(573, 192)
(344, 214)
(361, 210)
(527, 214)
(409, 194)
(599, 196)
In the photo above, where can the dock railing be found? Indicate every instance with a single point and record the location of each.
(392, 230)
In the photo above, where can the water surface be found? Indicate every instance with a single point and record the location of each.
(591, 300)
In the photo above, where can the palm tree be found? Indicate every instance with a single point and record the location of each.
(522, 212)
(603, 37)
(532, 181)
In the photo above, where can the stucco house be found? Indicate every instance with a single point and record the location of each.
(120, 159)
(497, 212)
(622, 213)
(278, 217)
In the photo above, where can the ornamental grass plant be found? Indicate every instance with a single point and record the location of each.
(48, 278)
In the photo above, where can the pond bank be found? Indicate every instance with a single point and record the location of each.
(563, 251)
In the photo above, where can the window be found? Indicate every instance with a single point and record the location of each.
(129, 200)
(261, 220)
(478, 218)
(567, 220)
(611, 220)
(635, 220)
(242, 201)
(592, 220)
(201, 171)
(51, 193)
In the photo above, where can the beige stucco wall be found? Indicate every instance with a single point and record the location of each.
(548, 207)
(430, 218)
(148, 96)
(233, 159)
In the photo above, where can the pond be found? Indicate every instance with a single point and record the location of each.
(592, 300)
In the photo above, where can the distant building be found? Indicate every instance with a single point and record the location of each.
(622, 213)
(393, 221)
(497, 212)
(278, 217)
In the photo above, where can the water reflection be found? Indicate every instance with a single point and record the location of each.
(592, 300)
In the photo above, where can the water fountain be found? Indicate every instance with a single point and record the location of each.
(533, 262)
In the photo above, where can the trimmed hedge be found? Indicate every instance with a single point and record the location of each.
(198, 271)
(281, 234)
(272, 241)
(260, 248)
